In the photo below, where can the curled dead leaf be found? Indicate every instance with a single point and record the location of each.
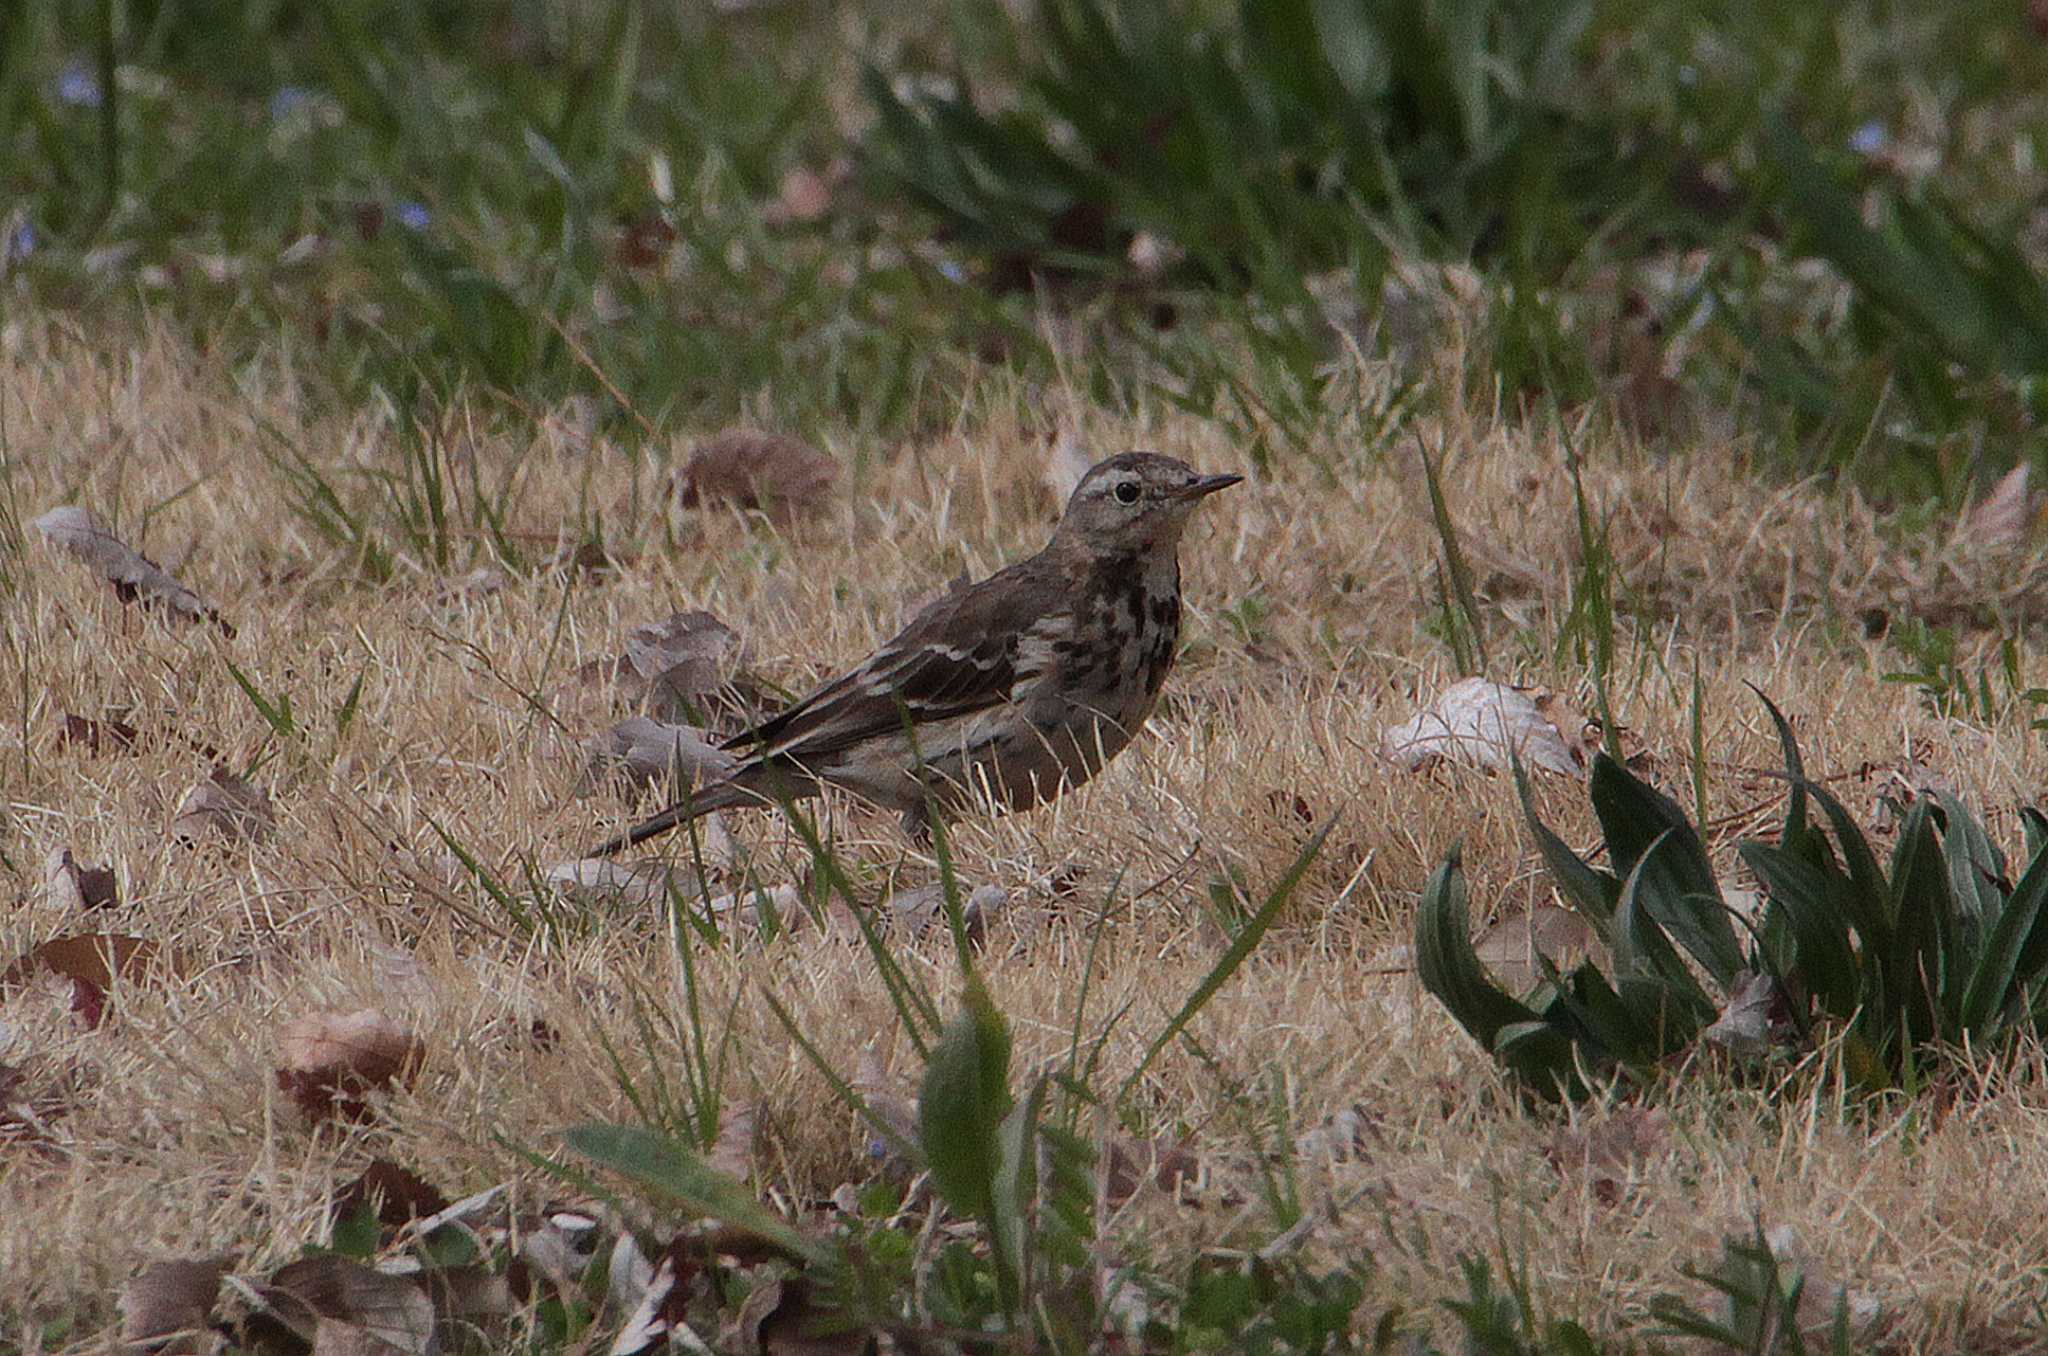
(79, 889)
(1479, 721)
(1744, 1026)
(334, 1060)
(136, 579)
(2006, 516)
(223, 804)
(782, 476)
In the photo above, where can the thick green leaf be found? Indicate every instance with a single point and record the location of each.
(1678, 886)
(1540, 1057)
(1863, 893)
(2015, 951)
(1824, 960)
(1793, 836)
(963, 1100)
(1920, 962)
(1592, 890)
(672, 1171)
(1447, 964)
(1641, 947)
(1976, 868)
(1014, 1194)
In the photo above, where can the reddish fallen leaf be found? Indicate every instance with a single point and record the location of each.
(90, 963)
(168, 1308)
(97, 735)
(782, 476)
(646, 240)
(334, 1060)
(397, 1194)
(1601, 1153)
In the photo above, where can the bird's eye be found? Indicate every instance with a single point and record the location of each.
(1127, 492)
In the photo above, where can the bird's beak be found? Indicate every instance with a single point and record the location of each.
(1207, 485)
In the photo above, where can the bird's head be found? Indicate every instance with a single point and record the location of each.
(1137, 501)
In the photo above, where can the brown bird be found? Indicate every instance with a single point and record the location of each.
(1016, 688)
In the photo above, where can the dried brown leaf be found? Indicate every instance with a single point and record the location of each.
(366, 1305)
(1509, 948)
(650, 883)
(97, 735)
(79, 889)
(1479, 721)
(1744, 1026)
(168, 1307)
(334, 1060)
(1602, 1153)
(89, 963)
(397, 1194)
(223, 804)
(135, 578)
(782, 476)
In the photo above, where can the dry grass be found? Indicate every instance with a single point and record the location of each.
(172, 1139)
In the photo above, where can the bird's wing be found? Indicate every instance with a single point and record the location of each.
(958, 656)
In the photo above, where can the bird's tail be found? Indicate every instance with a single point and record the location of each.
(717, 796)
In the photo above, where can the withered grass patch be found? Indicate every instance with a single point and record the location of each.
(1313, 622)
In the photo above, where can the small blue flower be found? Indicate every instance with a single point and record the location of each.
(77, 87)
(1869, 139)
(414, 216)
(287, 100)
(21, 241)
(952, 270)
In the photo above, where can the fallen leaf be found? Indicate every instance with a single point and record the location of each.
(2007, 515)
(333, 1060)
(89, 963)
(226, 805)
(683, 669)
(613, 884)
(640, 751)
(397, 1195)
(1744, 1026)
(1341, 1137)
(1820, 1295)
(1601, 1153)
(780, 475)
(97, 734)
(918, 910)
(1166, 1163)
(355, 1305)
(1509, 948)
(168, 1308)
(1479, 721)
(79, 889)
(659, 1319)
(134, 577)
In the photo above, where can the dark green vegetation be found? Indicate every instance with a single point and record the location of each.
(1886, 970)
(519, 197)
